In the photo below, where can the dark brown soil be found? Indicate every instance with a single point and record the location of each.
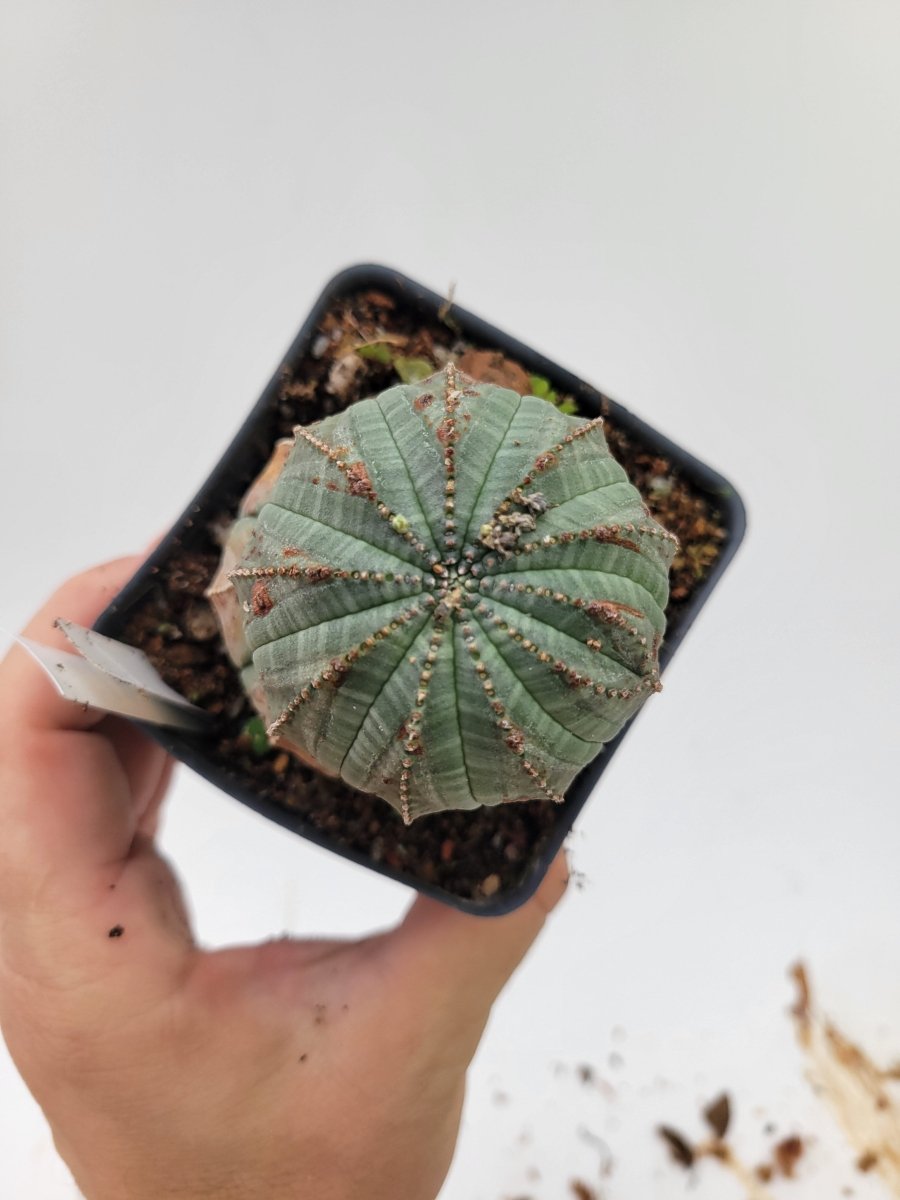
(471, 855)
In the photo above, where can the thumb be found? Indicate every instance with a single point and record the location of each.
(460, 963)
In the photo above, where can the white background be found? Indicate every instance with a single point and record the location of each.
(694, 205)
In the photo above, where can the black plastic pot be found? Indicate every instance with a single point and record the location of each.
(250, 450)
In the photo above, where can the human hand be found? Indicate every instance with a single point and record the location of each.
(292, 1070)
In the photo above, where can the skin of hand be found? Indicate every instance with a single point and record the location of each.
(291, 1070)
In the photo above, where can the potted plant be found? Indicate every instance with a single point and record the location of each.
(365, 528)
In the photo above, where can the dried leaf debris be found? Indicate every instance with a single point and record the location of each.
(854, 1087)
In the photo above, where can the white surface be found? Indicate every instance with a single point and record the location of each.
(693, 205)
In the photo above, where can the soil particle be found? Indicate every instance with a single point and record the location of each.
(581, 1191)
(184, 654)
(680, 1149)
(344, 373)
(718, 1115)
(490, 366)
(376, 299)
(787, 1154)
(200, 623)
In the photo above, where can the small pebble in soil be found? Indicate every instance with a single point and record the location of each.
(200, 622)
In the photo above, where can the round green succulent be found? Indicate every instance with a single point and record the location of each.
(448, 595)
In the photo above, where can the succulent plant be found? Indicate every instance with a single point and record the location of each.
(448, 595)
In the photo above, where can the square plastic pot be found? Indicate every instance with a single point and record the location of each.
(249, 452)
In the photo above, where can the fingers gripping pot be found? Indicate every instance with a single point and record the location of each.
(449, 595)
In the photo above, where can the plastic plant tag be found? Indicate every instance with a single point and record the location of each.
(113, 677)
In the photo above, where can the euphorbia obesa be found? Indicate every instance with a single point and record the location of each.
(449, 595)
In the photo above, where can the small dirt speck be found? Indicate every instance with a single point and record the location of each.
(787, 1154)
(581, 1191)
(680, 1149)
(718, 1115)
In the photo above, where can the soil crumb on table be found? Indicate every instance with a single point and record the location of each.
(583, 1191)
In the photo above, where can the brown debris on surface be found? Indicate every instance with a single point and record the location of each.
(490, 366)
(353, 354)
(787, 1154)
(680, 1148)
(582, 1191)
(718, 1116)
(854, 1087)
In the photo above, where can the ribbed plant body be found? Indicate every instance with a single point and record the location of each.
(448, 595)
